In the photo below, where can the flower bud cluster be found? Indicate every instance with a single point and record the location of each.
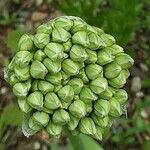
(69, 75)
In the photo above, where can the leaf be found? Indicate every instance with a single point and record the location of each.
(84, 142)
(146, 145)
(11, 115)
(60, 147)
(13, 39)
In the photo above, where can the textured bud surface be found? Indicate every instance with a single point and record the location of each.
(69, 75)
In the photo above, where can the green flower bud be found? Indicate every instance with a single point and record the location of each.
(54, 129)
(55, 78)
(34, 85)
(52, 66)
(76, 97)
(78, 109)
(33, 125)
(67, 45)
(60, 35)
(41, 40)
(107, 39)
(102, 122)
(107, 94)
(98, 135)
(52, 101)
(93, 71)
(22, 74)
(61, 116)
(39, 55)
(35, 100)
(24, 106)
(87, 126)
(63, 22)
(45, 87)
(73, 123)
(83, 76)
(57, 88)
(22, 59)
(64, 75)
(115, 108)
(116, 49)
(66, 93)
(94, 41)
(76, 84)
(70, 67)
(124, 60)
(101, 108)
(90, 29)
(13, 79)
(92, 56)
(46, 110)
(20, 90)
(81, 38)
(41, 118)
(86, 95)
(89, 107)
(78, 53)
(81, 65)
(98, 85)
(121, 96)
(78, 25)
(99, 31)
(54, 51)
(112, 70)
(44, 28)
(65, 104)
(120, 80)
(38, 70)
(25, 43)
(104, 57)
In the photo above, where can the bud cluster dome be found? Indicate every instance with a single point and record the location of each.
(69, 75)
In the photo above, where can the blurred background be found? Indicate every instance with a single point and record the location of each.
(128, 21)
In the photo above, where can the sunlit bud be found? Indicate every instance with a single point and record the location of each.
(104, 57)
(52, 101)
(86, 95)
(41, 40)
(107, 39)
(54, 51)
(60, 35)
(98, 85)
(116, 49)
(67, 45)
(78, 53)
(101, 108)
(70, 67)
(61, 117)
(54, 129)
(93, 71)
(112, 70)
(33, 125)
(81, 38)
(38, 70)
(76, 84)
(82, 75)
(25, 43)
(66, 93)
(35, 100)
(87, 126)
(115, 108)
(24, 106)
(89, 107)
(44, 28)
(98, 135)
(121, 96)
(107, 94)
(41, 118)
(73, 123)
(45, 86)
(55, 78)
(92, 56)
(78, 109)
(39, 55)
(124, 60)
(34, 86)
(52, 66)
(63, 22)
